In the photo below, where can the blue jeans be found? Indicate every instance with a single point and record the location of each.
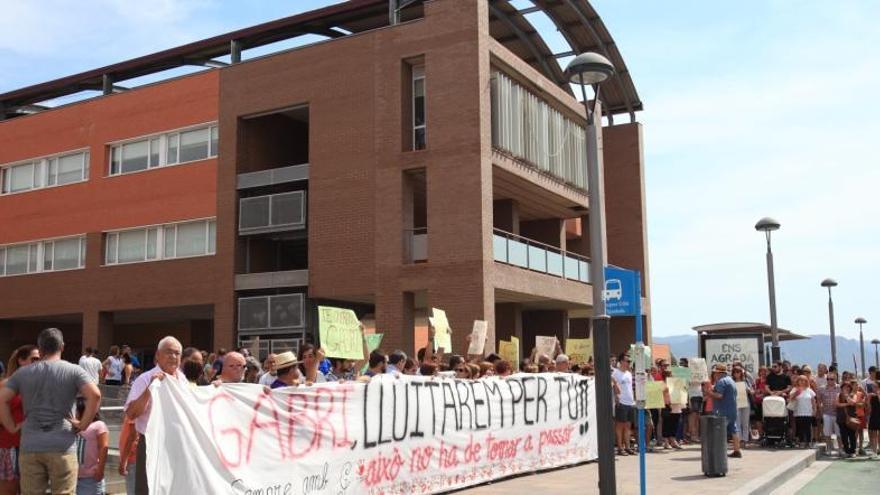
(130, 478)
(88, 486)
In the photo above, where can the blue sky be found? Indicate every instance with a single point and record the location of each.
(752, 108)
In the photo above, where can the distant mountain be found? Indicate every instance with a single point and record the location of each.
(816, 349)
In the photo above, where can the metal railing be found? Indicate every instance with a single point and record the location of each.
(530, 254)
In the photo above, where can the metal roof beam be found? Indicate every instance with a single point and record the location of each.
(603, 49)
(525, 39)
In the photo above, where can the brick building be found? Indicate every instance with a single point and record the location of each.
(430, 155)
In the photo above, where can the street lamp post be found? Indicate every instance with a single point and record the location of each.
(591, 69)
(768, 225)
(876, 342)
(829, 283)
(861, 321)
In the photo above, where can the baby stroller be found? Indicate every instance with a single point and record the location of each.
(775, 420)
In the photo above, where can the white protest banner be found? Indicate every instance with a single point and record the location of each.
(699, 371)
(394, 436)
(727, 350)
(478, 338)
(545, 345)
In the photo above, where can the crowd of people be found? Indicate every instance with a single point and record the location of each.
(52, 434)
(829, 406)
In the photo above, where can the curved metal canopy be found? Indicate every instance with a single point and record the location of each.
(576, 20)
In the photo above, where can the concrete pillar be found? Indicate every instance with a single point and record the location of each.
(97, 330)
(545, 323)
(395, 318)
(508, 321)
(506, 215)
(625, 210)
(550, 231)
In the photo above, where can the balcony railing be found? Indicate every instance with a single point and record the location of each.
(526, 253)
(272, 213)
(415, 245)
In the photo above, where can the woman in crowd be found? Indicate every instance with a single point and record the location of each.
(758, 393)
(410, 367)
(874, 411)
(91, 452)
(671, 415)
(743, 414)
(486, 369)
(805, 408)
(9, 441)
(860, 398)
(127, 369)
(846, 410)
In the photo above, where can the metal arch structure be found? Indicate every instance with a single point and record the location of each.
(525, 38)
(576, 20)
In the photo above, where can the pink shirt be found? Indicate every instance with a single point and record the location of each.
(139, 387)
(87, 449)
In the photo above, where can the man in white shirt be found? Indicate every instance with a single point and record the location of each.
(624, 408)
(268, 376)
(138, 404)
(91, 364)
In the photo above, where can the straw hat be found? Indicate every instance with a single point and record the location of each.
(719, 368)
(285, 360)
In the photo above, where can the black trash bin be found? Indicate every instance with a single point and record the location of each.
(713, 436)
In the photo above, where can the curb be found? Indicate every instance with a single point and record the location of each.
(773, 479)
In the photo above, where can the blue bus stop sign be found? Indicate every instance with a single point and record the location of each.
(622, 291)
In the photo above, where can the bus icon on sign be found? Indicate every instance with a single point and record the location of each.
(613, 290)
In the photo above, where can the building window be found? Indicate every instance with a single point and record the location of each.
(161, 242)
(162, 150)
(419, 138)
(55, 170)
(67, 253)
(529, 129)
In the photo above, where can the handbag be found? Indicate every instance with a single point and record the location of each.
(853, 423)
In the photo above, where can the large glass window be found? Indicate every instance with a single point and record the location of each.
(43, 256)
(161, 150)
(176, 240)
(55, 170)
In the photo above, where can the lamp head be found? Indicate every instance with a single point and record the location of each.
(861, 321)
(589, 68)
(829, 282)
(767, 224)
(876, 341)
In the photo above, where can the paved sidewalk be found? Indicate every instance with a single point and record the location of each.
(668, 472)
(856, 476)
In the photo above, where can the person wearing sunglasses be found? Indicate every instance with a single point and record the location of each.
(10, 441)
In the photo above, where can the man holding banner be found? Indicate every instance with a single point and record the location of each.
(139, 405)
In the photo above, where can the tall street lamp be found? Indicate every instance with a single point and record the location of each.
(591, 69)
(829, 283)
(768, 225)
(876, 342)
(861, 321)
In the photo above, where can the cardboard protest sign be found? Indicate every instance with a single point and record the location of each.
(579, 350)
(442, 337)
(340, 333)
(545, 345)
(678, 390)
(699, 370)
(478, 338)
(509, 351)
(742, 395)
(340, 438)
(661, 351)
(654, 395)
(648, 361)
(682, 372)
(374, 340)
